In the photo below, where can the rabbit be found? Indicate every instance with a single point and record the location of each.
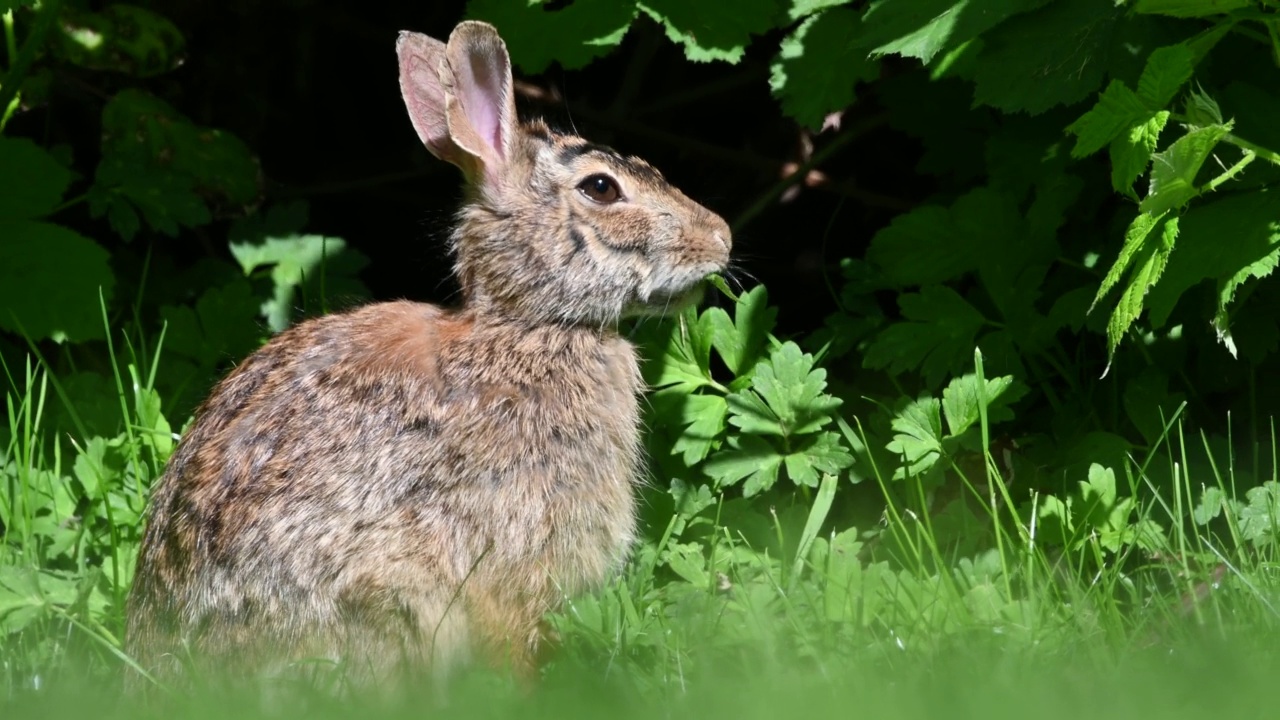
(402, 489)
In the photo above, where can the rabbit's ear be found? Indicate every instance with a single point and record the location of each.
(422, 61)
(481, 112)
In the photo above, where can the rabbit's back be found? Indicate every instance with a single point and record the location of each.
(394, 483)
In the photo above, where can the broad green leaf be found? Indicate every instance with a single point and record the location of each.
(741, 342)
(818, 66)
(787, 396)
(119, 37)
(1149, 404)
(293, 260)
(157, 160)
(1252, 223)
(703, 418)
(1118, 109)
(222, 325)
(800, 9)
(923, 28)
(31, 180)
(690, 501)
(687, 561)
(1056, 55)
(712, 31)
(1211, 504)
(1131, 153)
(1173, 172)
(1153, 257)
(1097, 495)
(920, 247)
(1259, 516)
(823, 454)
(49, 282)
(1134, 239)
(1190, 8)
(1167, 70)
(938, 336)
(748, 459)
(962, 405)
(573, 35)
(917, 437)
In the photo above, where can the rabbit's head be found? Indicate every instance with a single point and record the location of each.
(554, 228)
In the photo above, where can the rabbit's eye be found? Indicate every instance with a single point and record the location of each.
(601, 188)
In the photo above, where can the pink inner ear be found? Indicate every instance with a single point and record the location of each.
(484, 99)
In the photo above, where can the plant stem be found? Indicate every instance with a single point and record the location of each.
(20, 62)
(1270, 156)
(10, 40)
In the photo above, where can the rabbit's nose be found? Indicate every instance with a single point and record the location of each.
(720, 231)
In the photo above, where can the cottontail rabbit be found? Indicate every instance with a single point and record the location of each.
(401, 486)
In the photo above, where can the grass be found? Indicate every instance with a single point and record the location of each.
(1151, 590)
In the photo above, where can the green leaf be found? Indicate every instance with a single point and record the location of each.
(221, 326)
(1252, 222)
(748, 459)
(822, 454)
(741, 342)
(819, 65)
(687, 561)
(1189, 8)
(1118, 109)
(49, 282)
(1167, 70)
(121, 38)
(573, 35)
(1131, 153)
(962, 404)
(31, 180)
(1153, 258)
(1259, 516)
(167, 201)
(703, 419)
(787, 396)
(923, 28)
(917, 437)
(1134, 239)
(1173, 172)
(712, 31)
(938, 337)
(804, 8)
(1149, 404)
(1056, 55)
(293, 260)
(1211, 504)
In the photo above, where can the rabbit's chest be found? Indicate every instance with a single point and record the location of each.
(552, 466)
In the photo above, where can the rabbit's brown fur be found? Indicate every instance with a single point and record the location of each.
(399, 486)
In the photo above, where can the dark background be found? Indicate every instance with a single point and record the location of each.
(312, 87)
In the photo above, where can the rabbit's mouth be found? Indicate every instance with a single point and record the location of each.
(666, 302)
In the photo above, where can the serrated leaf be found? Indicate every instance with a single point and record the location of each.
(1117, 110)
(119, 37)
(49, 282)
(572, 35)
(1173, 172)
(1189, 8)
(741, 342)
(962, 405)
(749, 460)
(818, 66)
(687, 561)
(31, 180)
(1134, 239)
(1251, 220)
(221, 325)
(293, 260)
(923, 28)
(1167, 70)
(1152, 260)
(824, 454)
(938, 337)
(1259, 516)
(712, 31)
(800, 9)
(703, 418)
(917, 436)
(787, 396)
(1056, 55)
(1131, 153)
(1211, 504)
